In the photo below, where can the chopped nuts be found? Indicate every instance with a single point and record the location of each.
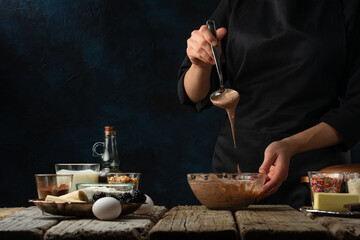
(123, 179)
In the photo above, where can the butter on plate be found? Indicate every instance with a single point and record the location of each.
(76, 196)
(334, 202)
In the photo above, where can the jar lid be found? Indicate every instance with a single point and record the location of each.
(110, 130)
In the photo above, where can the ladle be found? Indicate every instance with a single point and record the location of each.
(223, 98)
(215, 50)
(216, 97)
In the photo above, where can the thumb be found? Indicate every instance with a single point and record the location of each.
(220, 33)
(269, 158)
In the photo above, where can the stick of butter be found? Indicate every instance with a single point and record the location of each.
(334, 201)
(77, 196)
(50, 198)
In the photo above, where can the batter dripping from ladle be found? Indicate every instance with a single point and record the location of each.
(224, 97)
(228, 100)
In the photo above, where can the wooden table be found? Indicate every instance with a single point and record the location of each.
(340, 228)
(256, 222)
(32, 224)
(184, 222)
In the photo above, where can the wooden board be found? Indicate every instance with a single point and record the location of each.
(27, 224)
(126, 227)
(195, 222)
(5, 212)
(339, 227)
(277, 222)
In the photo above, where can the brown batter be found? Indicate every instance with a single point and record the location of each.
(228, 100)
(238, 169)
(226, 194)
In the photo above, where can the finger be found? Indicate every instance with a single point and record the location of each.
(267, 190)
(198, 55)
(220, 33)
(195, 51)
(203, 43)
(271, 172)
(267, 177)
(266, 193)
(204, 56)
(277, 178)
(280, 172)
(269, 158)
(273, 185)
(205, 32)
(210, 38)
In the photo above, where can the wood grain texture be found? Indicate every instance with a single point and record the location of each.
(5, 212)
(195, 222)
(27, 224)
(126, 227)
(277, 222)
(341, 228)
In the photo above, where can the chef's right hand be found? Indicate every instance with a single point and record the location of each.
(198, 46)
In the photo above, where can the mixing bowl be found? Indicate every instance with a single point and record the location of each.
(226, 191)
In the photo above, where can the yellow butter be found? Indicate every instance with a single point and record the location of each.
(334, 201)
(76, 195)
(50, 198)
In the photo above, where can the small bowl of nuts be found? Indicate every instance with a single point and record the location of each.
(131, 178)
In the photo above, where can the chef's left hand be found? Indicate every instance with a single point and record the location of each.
(276, 166)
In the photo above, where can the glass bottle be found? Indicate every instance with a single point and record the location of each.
(109, 158)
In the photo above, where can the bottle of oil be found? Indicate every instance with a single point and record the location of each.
(109, 158)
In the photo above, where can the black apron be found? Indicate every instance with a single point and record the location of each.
(286, 59)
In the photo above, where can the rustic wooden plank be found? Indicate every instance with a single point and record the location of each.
(277, 222)
(340, 228)
(126, 227)
(5, 212)
(27, 224)
(195, 222)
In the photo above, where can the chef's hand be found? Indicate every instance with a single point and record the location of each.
(275, 166)
(278, 154)
(198, 46)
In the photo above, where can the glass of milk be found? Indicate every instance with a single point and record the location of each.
(82, 172)
(353, 183)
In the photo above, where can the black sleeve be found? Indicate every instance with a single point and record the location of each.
(346, 118)
(221, 17)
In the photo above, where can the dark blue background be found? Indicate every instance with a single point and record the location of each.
(68, 68)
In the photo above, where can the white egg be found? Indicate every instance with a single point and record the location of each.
(146, 208)
(107, 208)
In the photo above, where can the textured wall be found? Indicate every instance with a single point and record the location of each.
(68, 68)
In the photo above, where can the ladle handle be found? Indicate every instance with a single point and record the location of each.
(215, 50)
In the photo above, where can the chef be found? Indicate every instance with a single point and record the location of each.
(296, 66)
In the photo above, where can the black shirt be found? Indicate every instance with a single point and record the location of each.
(295, 63)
